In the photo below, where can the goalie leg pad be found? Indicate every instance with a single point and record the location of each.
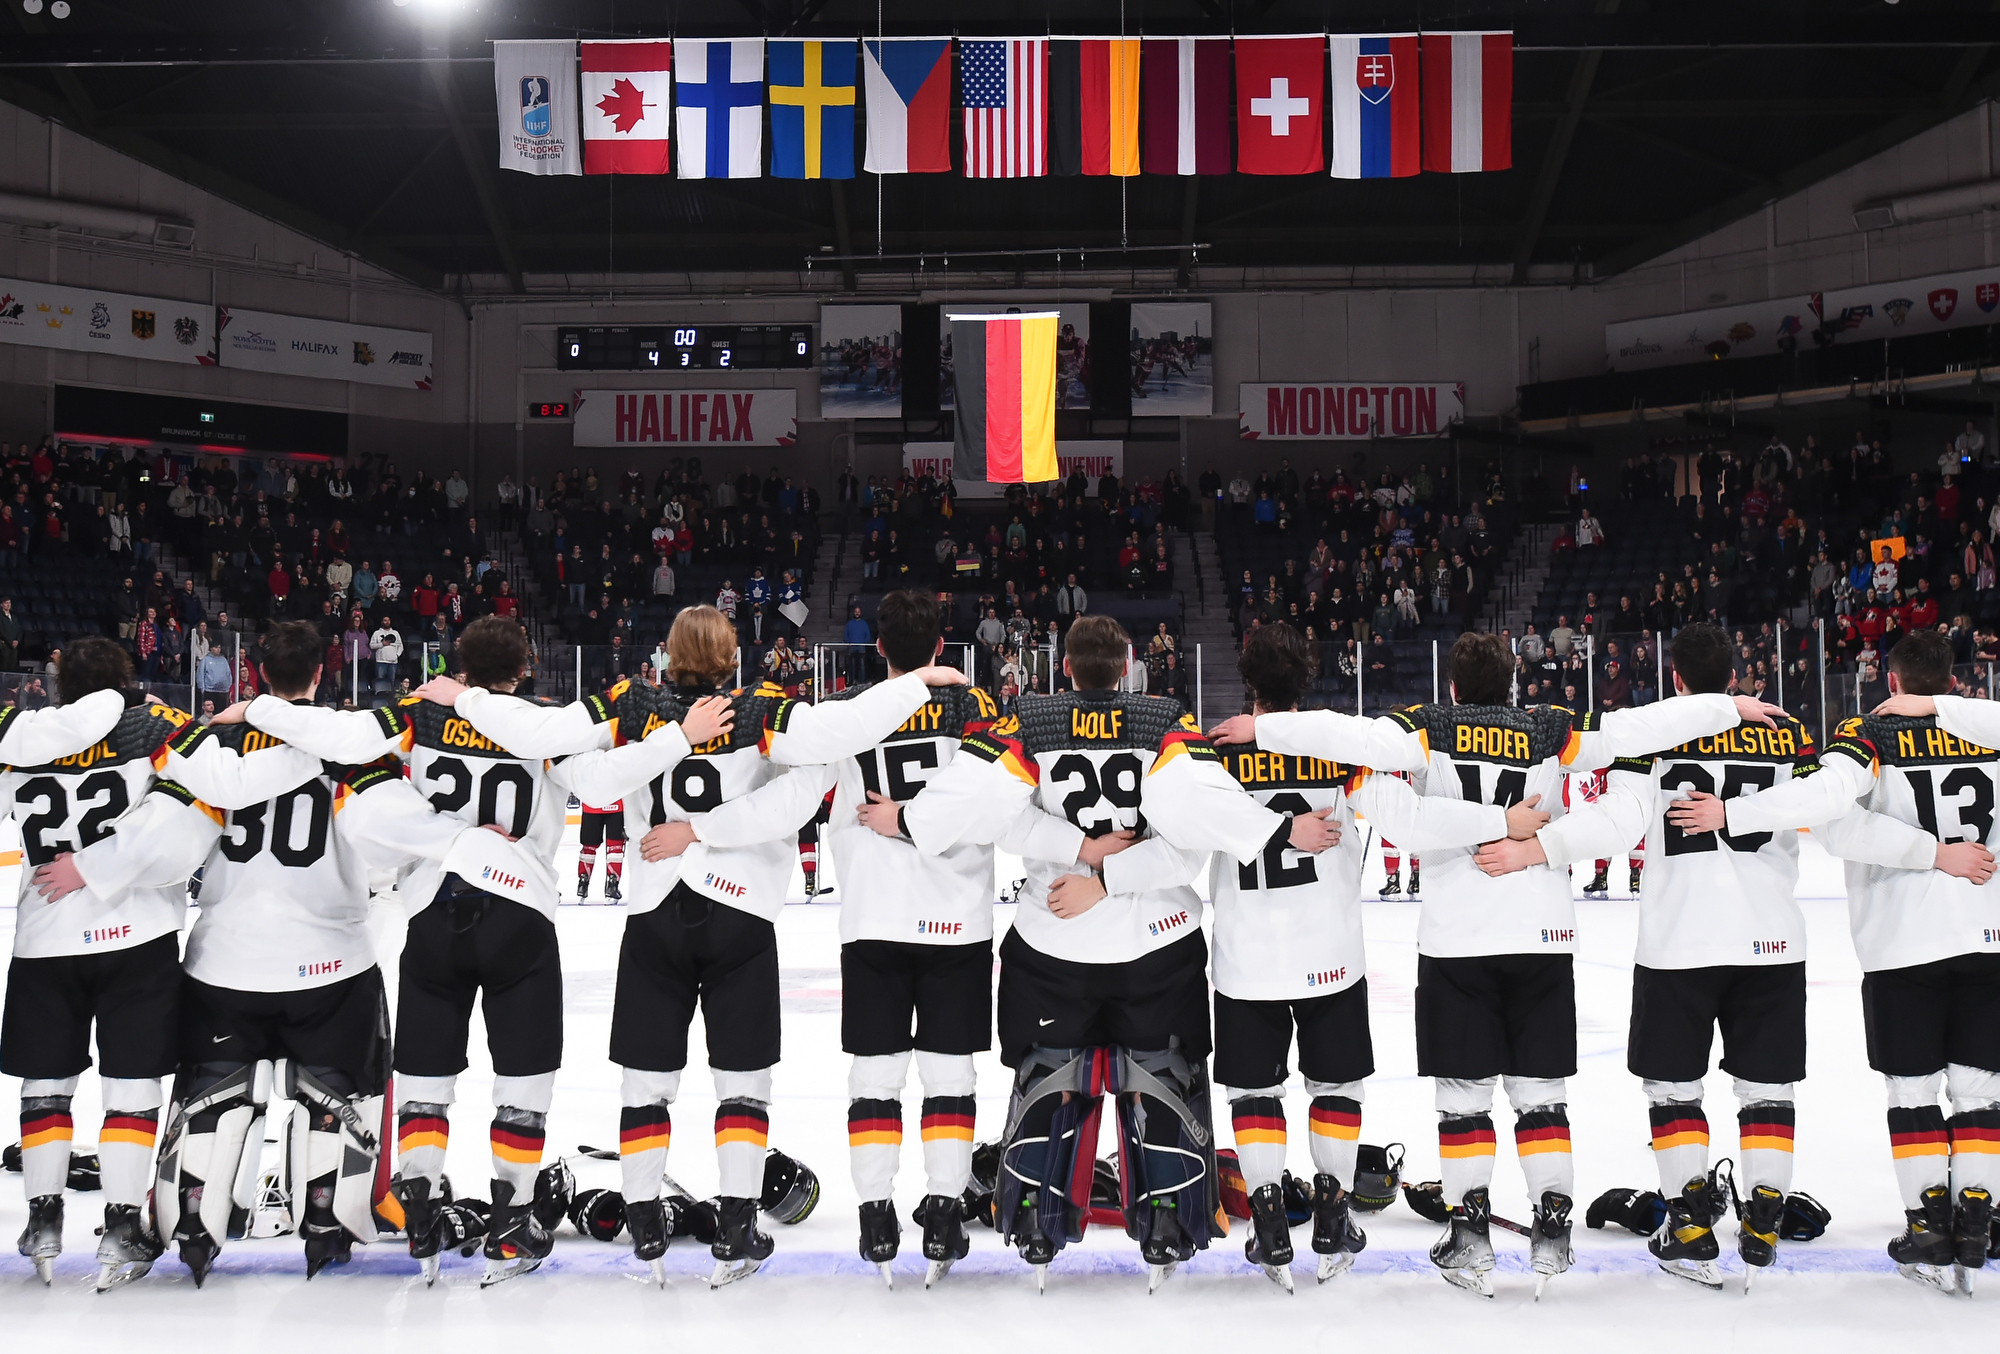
(1049, 1150)
(200, 1159)
(1167, 1150)
(342, 1141)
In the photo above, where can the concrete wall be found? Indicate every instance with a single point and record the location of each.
(496, 355)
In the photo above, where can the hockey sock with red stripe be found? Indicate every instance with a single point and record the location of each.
(586, 860)
(644, 1134)
(1680, 1144)
(125, 1154)
(874, 1146)
(742, 1131)
(947, 1131)
(1975, 1139)
(1336, 1136)
(517, 1136)
(1465, 1154)
(422, 1133)
(1764, 1140)
(46, 1134)
(1541, 1140)
(1922, 1150)
(1259, 1124)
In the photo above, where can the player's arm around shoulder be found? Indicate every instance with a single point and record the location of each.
(978, 794)
(347, 737)
(1394, 742)
(1190, 798)
(228, 767)
(1430, 823)
(159, 842)
(35, 737)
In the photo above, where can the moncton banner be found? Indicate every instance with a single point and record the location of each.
(85, 320)
(625, 418)
(1345, 410)
(1094, 459)
(333, 350)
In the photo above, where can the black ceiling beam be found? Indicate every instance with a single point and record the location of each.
(1696, 106)
(1668, 146)
(1957, 93)
(1554, 157)
(481, 172)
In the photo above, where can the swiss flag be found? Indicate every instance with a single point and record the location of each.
(1281, 105)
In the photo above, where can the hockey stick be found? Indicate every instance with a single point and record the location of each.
(1509, 1225)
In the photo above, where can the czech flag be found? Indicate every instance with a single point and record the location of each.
(1376, 108)
(908, 81)
(1005, 370)
(1468, 102)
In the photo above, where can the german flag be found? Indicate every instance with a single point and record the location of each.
(1094, 106)
(1004, 367)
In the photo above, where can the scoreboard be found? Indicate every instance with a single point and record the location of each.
(691, 347)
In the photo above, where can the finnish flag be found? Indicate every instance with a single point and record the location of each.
(720, 112)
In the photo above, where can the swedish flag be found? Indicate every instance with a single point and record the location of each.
(812, 108)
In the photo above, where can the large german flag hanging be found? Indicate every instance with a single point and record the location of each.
(1004, 367)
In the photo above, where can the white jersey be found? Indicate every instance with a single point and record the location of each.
(1101, 761)
(1500, 755)
(1288, 925)
(1938, 775)
(1710, 898)
(467, 776)
(733, 789)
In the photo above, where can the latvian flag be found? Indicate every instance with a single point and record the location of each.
(1184, 85)
(1376, 109)
(1094, 106)
(627, 87)
(1005, 370)
(1468, 102)
(1004, 84)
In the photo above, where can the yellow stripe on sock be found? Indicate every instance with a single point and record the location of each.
(1680, 1140)
(1535, 1147)
(125, 1135)
(870, 1138)
(634, 1146)
(947, 1134)
(413, 1140)
(1260, 1136)
(1477, 1149)
(1762, 1143)
(520, 1156)
(47, 1136)
(742, 1135)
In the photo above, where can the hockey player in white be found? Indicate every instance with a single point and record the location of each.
(1721, 942)
(490, 935)
(1496, 992)
(700, 925)
(1928, 940)
(1102, 982)
(106, 953)
(1289, 952)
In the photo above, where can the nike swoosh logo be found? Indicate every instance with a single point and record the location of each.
(1049, 1021)
(218, 1039)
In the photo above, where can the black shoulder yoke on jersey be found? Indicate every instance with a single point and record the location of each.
(1510, 735)
(761, 711)
(1256, 769)
(425, 723)
(1900, 740)
(1085, 720)
(1790, 742)
(243, 739)
(141, 734)
(951, 712)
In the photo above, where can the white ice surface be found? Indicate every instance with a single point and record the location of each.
(1837, 1292)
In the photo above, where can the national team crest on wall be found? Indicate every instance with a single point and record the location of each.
(143, 324)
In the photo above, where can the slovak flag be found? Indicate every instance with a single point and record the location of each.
(1376, 109)
(908, 82)
(1468, 102)
(721, 107)
(1280, 104)
(627, 89)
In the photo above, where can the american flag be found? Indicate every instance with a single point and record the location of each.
(1006, 88)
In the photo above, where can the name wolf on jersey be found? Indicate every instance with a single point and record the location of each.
(939, 928)
(104, 933)
(1096, 724)
(1166, 924)
(1325, 977)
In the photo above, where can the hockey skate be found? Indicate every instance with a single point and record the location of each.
(582, 887)
(127, 1249)
(1925, 1253)
(421, 1217)
(1416, 883)
(516, 1242)
(945, 1241)
(651, 1223)
(1270, 1244)
(1393, 887)
(327, 1242)
(1335, 1239)
(1599, 887)
(1037, 1249)
(1549, 1240)
(881, 1235)
(41, 1239)
(613, 893)
(1464, 1254)
(1971, 1228)
(1637, 872)
(739, 1247)
(1757, 1221)
(1685, 1244)
(1165, 1246)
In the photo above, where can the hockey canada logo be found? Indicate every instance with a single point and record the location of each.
(1767, 947)
(939, 928)
(1166, 924)
(106, 933)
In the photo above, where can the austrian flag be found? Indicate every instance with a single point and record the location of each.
(1468, 102)
(626, 91)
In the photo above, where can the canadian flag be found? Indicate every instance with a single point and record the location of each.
(1281, 105)
(627, 87)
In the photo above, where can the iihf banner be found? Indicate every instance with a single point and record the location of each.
(630, 418)
(534, 88)
(86, 320)
(333, 350)
(1347, 410)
